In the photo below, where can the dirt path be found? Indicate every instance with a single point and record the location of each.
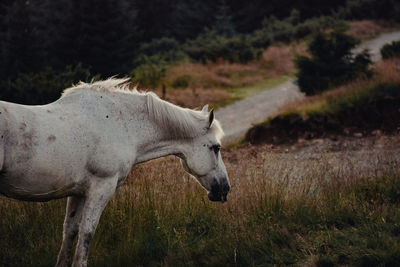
(238, 117)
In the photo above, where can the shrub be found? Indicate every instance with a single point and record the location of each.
(181, 82)
(150, 72)
(291, 28)
(210, 46)
(159, 45)
(331, 63)
(154, 58)
(42, 87)
(273, 30)
(165, 49)
(370, 9)
(391, 50)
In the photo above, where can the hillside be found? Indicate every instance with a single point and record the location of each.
(360, 108)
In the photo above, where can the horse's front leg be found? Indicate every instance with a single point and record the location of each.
(71, 226)
(100, 192)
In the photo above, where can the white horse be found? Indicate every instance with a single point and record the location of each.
(83, 146)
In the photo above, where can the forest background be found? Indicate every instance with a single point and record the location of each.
(45, 46)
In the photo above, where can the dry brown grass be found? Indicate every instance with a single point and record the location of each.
(279, 59)
(367, 29)
(387, 71)
(193, 84)
(221, 74)
(210, 83)
(195, 97)
(364, 29)
(253, 168)
(275, 61)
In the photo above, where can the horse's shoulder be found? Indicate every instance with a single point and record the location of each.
(108, 160)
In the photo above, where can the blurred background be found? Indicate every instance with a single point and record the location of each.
(45, 46)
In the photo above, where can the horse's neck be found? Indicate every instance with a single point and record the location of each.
(152, 141)
(153, 145)
(157, 149)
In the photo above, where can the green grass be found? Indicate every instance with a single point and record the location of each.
(239, 93)
(243, 92)
(161, 217)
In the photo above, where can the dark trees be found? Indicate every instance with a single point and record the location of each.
(331, 62)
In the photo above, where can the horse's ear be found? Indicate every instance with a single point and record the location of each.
(210, 118)
(205, 109)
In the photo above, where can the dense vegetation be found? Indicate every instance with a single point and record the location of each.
(391, 50)
(331, 63)
(142, 38)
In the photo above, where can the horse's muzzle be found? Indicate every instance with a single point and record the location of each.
(219, 192)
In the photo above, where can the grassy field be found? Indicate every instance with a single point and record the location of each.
(313, 209)
(220, 83)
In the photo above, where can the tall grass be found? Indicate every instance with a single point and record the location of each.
(220, 83)
(365, 29)
(276, 61)
(307, 208)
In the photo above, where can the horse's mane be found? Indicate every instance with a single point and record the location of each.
(110, 85)
(179, 122)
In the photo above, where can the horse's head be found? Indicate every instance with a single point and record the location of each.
(202, 158)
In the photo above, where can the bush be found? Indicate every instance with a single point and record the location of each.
(153, 60)
(165, 49)
(331, 63)
(391, 50)
(181, 81)
(150, 72)
(370, 9)
(210, 46)
(289, 29)
(42, 87)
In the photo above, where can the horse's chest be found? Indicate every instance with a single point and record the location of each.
(109, 161)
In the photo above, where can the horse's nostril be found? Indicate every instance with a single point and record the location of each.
(226, 188)
(215, 188)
